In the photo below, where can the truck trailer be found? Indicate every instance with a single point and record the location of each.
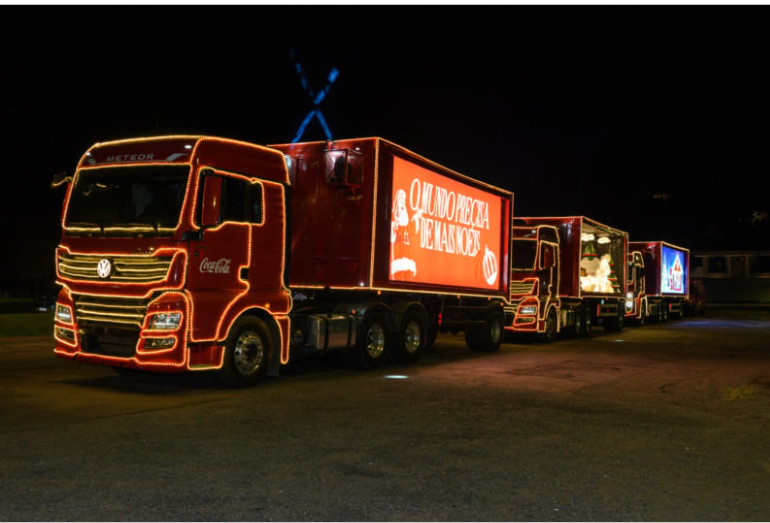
(659, 281)
(193, 253)
(567, 274)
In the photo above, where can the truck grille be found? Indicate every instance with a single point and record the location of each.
(522, 287)
(511, 309)
(115, 312)
(129, 269)
(110, 326)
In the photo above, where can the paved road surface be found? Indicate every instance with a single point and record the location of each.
(664, 422)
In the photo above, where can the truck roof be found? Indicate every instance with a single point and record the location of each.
(378, 142)
(534, 220)
(223, 153)
(642, 244)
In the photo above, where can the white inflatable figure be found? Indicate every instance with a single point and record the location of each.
(589, 267)
(603, 274)
(595, 274)
(399, 237)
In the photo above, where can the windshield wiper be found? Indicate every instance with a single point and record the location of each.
(86, 226)
(135, 229)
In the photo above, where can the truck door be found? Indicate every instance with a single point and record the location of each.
(220, 258)
(547, 266)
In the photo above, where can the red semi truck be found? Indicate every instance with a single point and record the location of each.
(659, 281)
(186, 253)
(567, 274)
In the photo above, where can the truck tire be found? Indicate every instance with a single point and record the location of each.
(576, 330)
(587, 325)
(373, 341)
(412, 337)
(432, 335)
(641, 321)
(247, 353)
(487, 337)
(614, 324)
(549, 334)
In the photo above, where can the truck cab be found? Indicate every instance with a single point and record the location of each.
(173, 254)
(534, 290)
(636, 296)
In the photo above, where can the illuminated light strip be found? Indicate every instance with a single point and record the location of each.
(178, 253)
(522, 286)
(195, 186)
(124, 319)
(124, 165)
(375, 185)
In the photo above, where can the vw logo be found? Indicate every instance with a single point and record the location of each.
(104, 268)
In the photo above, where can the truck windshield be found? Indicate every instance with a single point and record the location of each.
(127, 201)
(523, 255)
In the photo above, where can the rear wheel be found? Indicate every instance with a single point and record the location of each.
(413, 337)
(247, 353)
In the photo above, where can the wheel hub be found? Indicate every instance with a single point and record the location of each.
(249, 352)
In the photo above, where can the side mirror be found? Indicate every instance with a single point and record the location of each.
(211, 211)
(547, 259)
(192, 236)
(60, 179)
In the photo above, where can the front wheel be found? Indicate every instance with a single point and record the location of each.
(549, 334)
(247, 353)
(487, 337)
(587, 323)
(577, 327)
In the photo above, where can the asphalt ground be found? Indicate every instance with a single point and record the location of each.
(664, 422)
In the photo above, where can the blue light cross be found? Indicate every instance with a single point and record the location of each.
(317, 99)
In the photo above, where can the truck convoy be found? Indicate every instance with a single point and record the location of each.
(198, 253)
(186, 253)
(567, 274)
(658, 282)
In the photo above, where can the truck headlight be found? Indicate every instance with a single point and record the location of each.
(63, 313)
(528, 309)
(165, 321)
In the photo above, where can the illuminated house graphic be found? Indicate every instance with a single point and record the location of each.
(675, 275)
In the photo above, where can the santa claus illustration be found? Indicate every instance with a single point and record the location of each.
(402, 266)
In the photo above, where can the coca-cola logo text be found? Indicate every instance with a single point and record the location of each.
(220, 266)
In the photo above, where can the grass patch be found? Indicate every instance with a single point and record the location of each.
(13, 305)
(27, 324)
(746, 392)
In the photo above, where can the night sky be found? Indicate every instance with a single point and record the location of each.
(648, 118)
